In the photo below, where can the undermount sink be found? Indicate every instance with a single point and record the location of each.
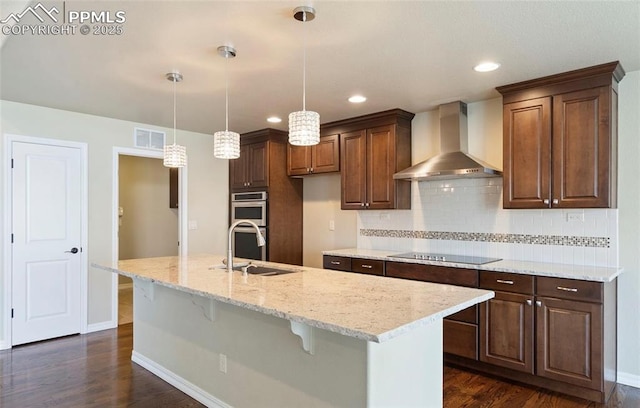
(257, 270)
(267, 271)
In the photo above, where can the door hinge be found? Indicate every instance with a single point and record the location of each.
(12, 238)
(12, 313)
(11, 163)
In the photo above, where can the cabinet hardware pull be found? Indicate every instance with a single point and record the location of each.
(366, 266)
(538, 303)
(507, 282)
(529, 302)
(555, 201)
(312, 169)
(335, 262)
(567, 289)
(546, 201)
(366, 205)
(362, 205)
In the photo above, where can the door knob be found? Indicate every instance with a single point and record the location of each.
(74, 250)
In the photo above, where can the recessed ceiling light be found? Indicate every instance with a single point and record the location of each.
(274, 119)
(357, 99)
(486, 67)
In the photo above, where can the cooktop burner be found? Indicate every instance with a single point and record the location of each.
(471, 260)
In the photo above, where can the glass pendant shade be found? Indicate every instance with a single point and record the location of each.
(304, 128)
(226, 145)
(175, 156)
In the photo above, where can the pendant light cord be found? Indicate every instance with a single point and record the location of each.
(174, 110)
(226, 94)
(304, 63)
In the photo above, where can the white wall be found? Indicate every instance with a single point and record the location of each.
(321, 204)
(629, 229)
(207, 183)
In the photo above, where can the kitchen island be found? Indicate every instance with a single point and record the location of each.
(312, 337)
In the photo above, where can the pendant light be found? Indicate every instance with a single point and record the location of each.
(304, 125)
(226, 144)
(174, 155)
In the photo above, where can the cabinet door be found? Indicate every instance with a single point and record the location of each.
(298, 160)
(506, 331)
(381, 164)
(569, 341)
(325, 156)
(582, 157)
(238, 170)
(354, 173)
(527, 153)
(258, 164)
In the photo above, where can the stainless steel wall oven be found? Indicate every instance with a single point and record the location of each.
(249, 206)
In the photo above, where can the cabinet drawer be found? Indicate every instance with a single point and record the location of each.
(338, 263)
(460, 339)
(507, 282)
(469, 315)
(570, 289)
(432, 273)
(369, 266)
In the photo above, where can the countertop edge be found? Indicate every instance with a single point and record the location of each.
(382, 337)
(527, 267)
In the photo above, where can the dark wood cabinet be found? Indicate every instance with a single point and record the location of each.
(372, 148)
(321, 158)
(174, 183)
(251, 169)
(560, 140)
(358, 265)
(563, 332)
(262, 166)
(506, 331)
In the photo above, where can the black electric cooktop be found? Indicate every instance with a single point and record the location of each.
(426, 256)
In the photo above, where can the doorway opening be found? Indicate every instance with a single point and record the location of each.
(147, 217)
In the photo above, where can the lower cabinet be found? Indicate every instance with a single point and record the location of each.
(554, 333)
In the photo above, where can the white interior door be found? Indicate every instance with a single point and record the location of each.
(47, 234)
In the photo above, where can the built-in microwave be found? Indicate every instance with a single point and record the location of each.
(249, 206)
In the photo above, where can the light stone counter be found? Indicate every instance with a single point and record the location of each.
(580, 272)
(365, 307)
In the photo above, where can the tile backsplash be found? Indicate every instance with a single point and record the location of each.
(466, 217)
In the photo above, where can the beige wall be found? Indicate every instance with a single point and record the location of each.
(148, 227)
(207, 184)
(321, 204)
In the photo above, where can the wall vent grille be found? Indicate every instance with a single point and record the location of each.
(149, 139)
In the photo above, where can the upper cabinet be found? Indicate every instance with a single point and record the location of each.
(251, 169)
(373, 148)
(321, 158)
(560, 139)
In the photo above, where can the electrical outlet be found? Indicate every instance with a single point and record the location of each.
(575, 216)
(223, 363)
(193, 224)
(332, 225)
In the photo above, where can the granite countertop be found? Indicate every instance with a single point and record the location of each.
(580, 272)
(367, 307)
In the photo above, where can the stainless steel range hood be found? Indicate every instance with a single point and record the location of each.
(452, 162)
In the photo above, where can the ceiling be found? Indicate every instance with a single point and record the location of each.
(411, 55)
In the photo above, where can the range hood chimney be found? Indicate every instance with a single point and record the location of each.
(452, 162)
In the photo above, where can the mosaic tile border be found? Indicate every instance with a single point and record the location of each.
(562, 240)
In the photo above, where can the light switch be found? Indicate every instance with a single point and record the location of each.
(193, 224)
(332, 225)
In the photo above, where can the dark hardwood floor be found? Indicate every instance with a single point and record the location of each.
(95, 370)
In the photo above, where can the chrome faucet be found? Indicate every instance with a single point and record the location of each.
(259, 238)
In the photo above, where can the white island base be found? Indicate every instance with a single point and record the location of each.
(184, 339)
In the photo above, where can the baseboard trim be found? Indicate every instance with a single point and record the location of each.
(629, 379)
(101, 326)
(4, 345)
(180, 383)
(123, 286)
